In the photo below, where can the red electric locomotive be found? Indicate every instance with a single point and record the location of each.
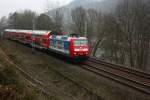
(69, 45)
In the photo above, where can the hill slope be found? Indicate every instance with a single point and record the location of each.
(105, 6)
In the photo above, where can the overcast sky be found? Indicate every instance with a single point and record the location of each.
(7, 6)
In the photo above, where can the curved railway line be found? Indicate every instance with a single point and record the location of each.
(132, 78)
(121, 68)
(40, 85)
(31, 80)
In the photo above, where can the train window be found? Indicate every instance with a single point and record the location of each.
(76, 43)
(83, 42)
(80, 42)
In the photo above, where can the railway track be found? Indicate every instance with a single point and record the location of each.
(121, 68)
(39, 85)
(132, 78)
(31, 80)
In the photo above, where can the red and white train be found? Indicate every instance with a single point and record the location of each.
(69, 45)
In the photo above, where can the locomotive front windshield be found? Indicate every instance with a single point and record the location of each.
(80, 42)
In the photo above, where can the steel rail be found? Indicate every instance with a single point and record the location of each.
(121, 67)
(126, 76)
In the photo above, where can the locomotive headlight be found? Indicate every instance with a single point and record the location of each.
(76, 49)
(85, 49)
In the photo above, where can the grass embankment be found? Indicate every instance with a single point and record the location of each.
(12, 87)
(52, 69)
(39, 65)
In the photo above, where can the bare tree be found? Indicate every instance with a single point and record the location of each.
(79, 20)
(100, 34)
(110, 39)
(58, 20)
(21, 20)
(3, 23)
(133, 19)
(92, 18)
(54, 12)
(44, 22)
(124, 35)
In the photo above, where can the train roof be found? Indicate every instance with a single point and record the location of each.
(36, 32)
(65, 37)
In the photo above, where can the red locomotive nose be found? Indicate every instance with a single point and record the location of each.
(80, 51)
(80, 47)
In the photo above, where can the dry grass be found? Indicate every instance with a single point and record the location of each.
(12, 84)
(50, 71)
